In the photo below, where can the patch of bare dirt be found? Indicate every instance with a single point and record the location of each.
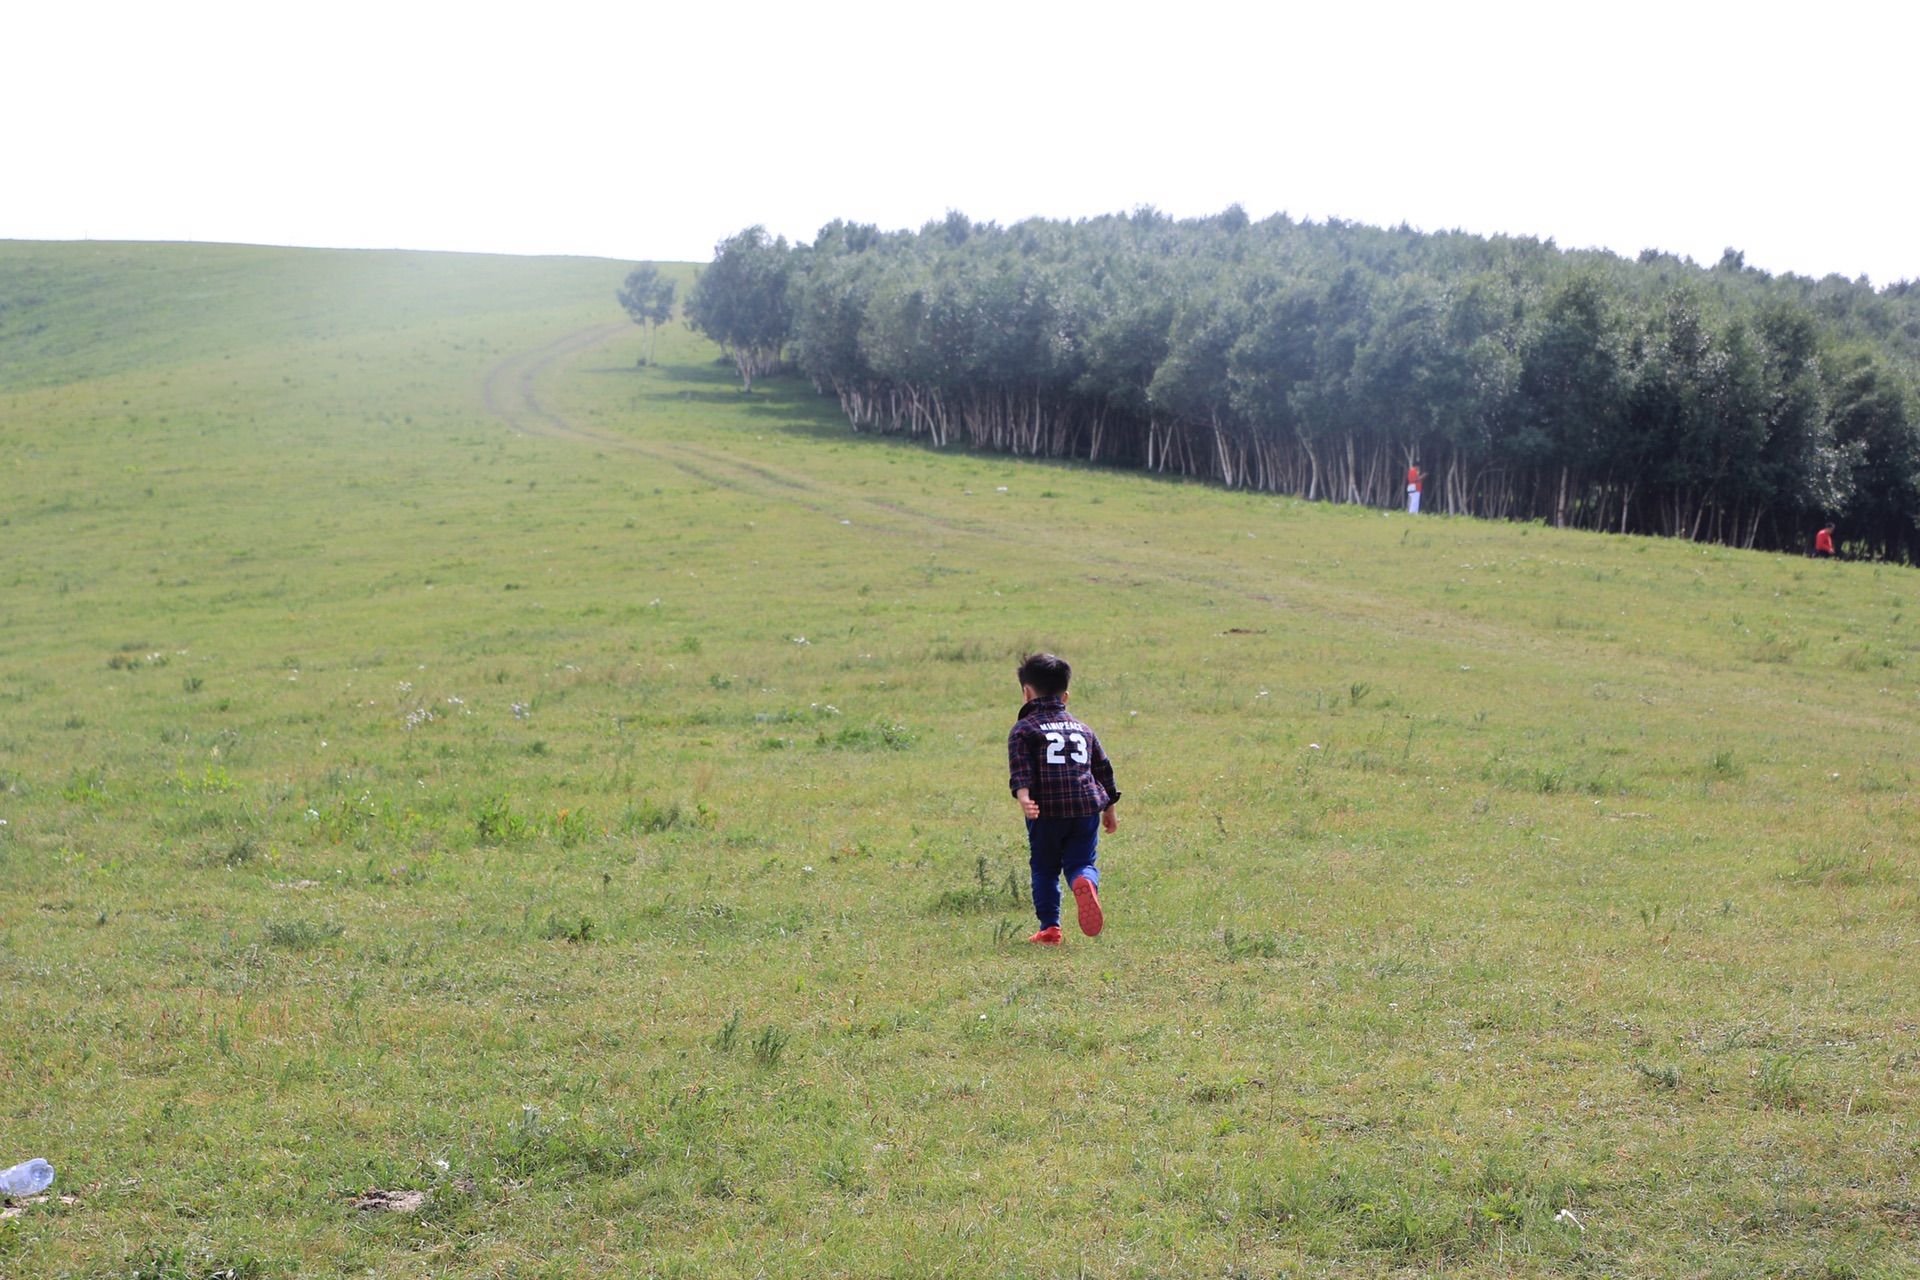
(14, 1208)
(376, 1200)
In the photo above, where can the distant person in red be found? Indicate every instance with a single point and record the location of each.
(1413, 490)
(1823, 542)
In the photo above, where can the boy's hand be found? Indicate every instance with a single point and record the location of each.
(1029, 806)
(1109, 820)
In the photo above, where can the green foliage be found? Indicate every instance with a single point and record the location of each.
(179, 1262)
(562, 1150)
(648, 296)
(495, 821)
(770, 1045)
(1661, 1077)
(560, 928)
(880, 736)
(1833, 869)
(644, 817)
(1777, 1083)
(1322, 360)
(1253, 946)
(300, 935)
(983, 895)
(243, 850)
(742, 302)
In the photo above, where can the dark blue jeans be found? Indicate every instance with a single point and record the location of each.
(1057, 849)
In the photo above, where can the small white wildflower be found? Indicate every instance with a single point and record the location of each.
(1261, 694)
(846, 522)
(521, 710)
(442, 1165)
(800, 640)
(456, 702)
(1567, 1215)
(313, 815)
(406, 686)
(1313, 746)
(808, 869)
(1000, 488)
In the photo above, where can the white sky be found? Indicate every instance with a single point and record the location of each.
(646, 130)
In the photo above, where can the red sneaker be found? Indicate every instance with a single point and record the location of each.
(1047, 937)
(1092, 919)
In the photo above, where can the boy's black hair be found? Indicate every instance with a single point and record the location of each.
(1045, 674)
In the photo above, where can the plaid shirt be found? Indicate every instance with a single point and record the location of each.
(1059, 761)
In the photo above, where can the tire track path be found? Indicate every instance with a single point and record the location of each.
(510, 391)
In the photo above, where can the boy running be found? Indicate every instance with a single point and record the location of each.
(1064, 784)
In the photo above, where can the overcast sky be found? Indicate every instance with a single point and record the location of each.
(650, 131)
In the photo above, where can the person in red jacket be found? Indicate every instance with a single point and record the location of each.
(1413, 489)
(1823, 542)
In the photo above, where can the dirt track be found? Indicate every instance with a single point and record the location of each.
(510, 391)
(509, 388)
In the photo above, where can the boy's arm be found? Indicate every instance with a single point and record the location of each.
(1020, 773)
(1102, 769)
(1103, 774)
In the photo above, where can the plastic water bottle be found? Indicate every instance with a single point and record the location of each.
(28, 1179)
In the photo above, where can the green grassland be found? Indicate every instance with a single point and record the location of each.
(438, 754)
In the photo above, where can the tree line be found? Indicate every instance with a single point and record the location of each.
(1322, 359)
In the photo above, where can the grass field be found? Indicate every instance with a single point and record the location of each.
(438, 755)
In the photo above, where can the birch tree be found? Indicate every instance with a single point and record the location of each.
(648, 298)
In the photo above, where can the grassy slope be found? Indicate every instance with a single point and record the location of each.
(1467, 872)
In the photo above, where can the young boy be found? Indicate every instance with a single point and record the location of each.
(1064, 784)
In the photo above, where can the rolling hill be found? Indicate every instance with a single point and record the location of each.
(439, 755)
